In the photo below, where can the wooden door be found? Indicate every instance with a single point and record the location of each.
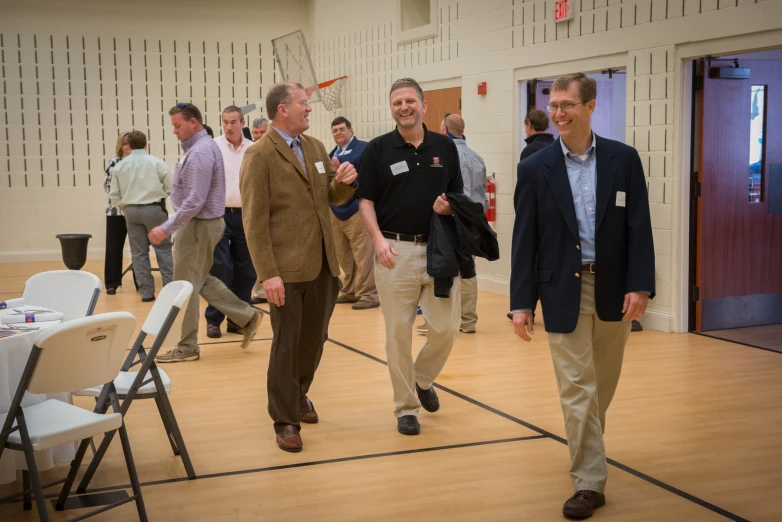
(440, 102)
(739, 233)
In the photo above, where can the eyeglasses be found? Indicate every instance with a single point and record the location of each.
(566, 107)
(303, 103)
(339, 129)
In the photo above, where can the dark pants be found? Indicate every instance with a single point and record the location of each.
(232, 265)
(116, 232)
(300, 329)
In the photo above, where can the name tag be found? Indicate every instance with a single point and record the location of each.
(621, 198)
(399, 168)
(346, 152)
(320, 167)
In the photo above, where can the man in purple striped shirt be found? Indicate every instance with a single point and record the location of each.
(198, 197)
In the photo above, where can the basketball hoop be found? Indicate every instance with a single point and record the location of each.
(330, 93)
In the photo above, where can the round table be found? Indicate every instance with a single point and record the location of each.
(14, 352)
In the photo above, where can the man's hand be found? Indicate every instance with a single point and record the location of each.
(275, 291)
(157, 235)
(523, 325)
(442, 207)
(385, 253)
(635, 305)
(346, 173)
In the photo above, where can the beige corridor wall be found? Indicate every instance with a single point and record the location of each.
(503, 42)
(75, 73)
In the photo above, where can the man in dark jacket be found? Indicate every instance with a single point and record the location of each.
(535, 127)
(583, 228)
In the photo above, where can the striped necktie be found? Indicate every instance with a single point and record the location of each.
(299, 154)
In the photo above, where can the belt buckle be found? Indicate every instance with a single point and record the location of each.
(591, 268)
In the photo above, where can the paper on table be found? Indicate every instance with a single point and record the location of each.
(29, 314)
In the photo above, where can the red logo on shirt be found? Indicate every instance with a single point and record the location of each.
(436, 160)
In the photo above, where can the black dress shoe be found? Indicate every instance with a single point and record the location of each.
(408, 425)
(147, 299)
(111, 291)
(636, 327)
(213, 331)
(232, 327)
(428, 398)
(583, 504)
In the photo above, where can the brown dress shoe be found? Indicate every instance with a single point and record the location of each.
(289, 439)
(583, 504)
(307, 411)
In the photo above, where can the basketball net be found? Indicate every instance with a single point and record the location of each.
(330, 92)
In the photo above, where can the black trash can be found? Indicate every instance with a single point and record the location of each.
(74, 249)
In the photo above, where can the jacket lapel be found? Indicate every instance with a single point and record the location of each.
(287, 152)
(606, 172)
(558, 181)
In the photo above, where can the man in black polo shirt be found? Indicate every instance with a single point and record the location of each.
(403, 178)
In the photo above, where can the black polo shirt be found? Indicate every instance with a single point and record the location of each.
(404, 181)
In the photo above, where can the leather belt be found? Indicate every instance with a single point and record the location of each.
(412, 238)
(233, 209)
(588, 268)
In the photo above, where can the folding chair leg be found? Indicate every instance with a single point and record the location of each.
(104, 445)
(75, 463)
(123, 436)
(180, 442)
(32, 469)
(166, 425)
(27, 503)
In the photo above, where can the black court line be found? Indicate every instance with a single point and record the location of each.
(311, 463)
(236, 341)
(737, 342)
(548, 434)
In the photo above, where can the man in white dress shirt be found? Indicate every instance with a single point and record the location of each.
(232, 263)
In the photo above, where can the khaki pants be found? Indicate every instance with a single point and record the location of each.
(587, 363)
(194, 246)
(469, 303)
(401, 289)
(356, 254)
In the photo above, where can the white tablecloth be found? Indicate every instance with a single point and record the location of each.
(14, 352)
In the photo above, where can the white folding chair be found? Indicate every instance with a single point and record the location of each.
(164, 323)
(71, 355)
(72, 292)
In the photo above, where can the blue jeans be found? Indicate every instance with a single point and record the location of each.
(232, 264)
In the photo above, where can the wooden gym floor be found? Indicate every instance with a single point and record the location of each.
(694, 433)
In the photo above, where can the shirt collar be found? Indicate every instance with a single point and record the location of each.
(138, 152)
(287, 138)
(589, 151)
(399, 141)
(187, 144)
(347, 145)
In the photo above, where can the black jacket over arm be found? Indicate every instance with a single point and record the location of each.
(453, 240)
(546, 228)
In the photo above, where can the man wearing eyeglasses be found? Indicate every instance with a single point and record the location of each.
(354, 246)
(287, 184)
(198, 197)
(582, 211)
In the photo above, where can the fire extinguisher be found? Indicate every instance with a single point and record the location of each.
(491, 196)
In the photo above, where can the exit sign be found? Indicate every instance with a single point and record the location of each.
(563, 10)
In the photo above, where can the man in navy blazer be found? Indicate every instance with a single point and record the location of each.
(582, 211)
(355, 250)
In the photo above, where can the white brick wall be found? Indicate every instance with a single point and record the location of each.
(650, 75)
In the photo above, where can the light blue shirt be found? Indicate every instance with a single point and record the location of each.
(287, 138)
(582, 174)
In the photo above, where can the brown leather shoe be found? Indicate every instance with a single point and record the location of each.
(289, 439)
(583, 504)
(307, 411)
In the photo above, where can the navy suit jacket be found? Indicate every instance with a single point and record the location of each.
(355, 151)
(546, 229)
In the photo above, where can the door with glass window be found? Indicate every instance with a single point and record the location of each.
(739, 228)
